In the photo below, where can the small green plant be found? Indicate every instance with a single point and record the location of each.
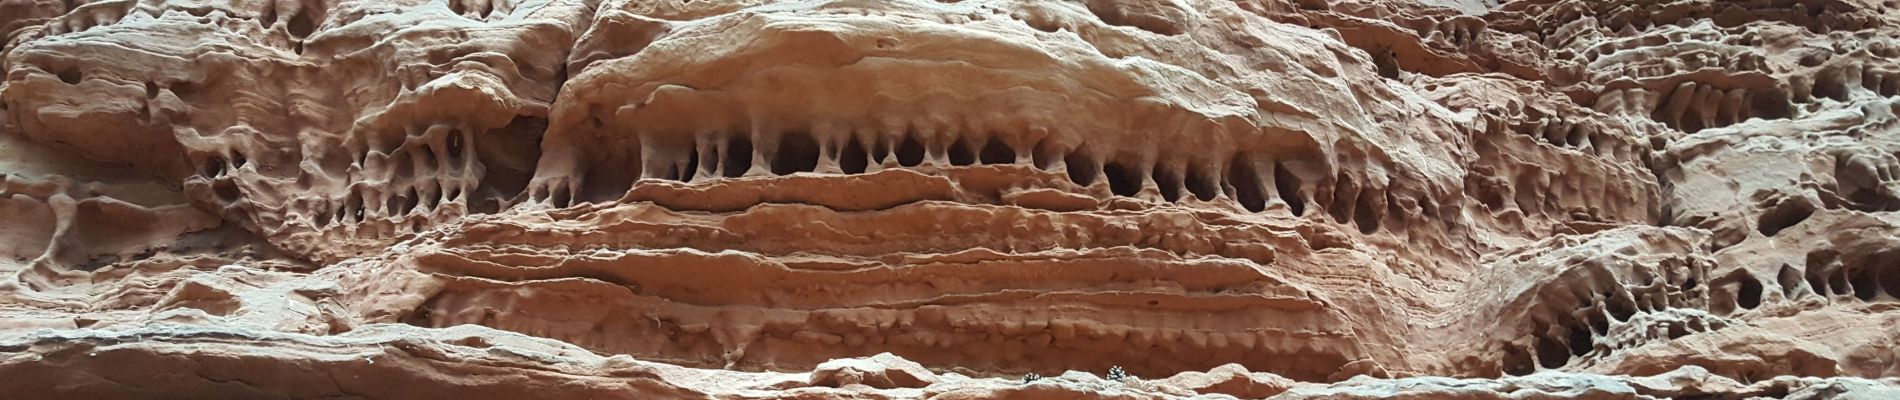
(1116, 373)
(1031, 377)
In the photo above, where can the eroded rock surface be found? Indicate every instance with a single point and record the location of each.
(949, 199)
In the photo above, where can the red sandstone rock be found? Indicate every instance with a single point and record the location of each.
(949, 199)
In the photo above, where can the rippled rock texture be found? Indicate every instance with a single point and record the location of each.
(949, 199)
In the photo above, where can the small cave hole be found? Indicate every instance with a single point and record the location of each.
(1550, 354)
(1690, 124)
(455, 146)
(214, 167)
(1866, 283)
(1121, 182)
(1081, 170)
(1247, 186)
(1366, 213)
(692, 165)
(411, 200)
(1045, 154)
(1599, 323)
(1817, 282)
(268, 18)
(1829, 86)
(183, 89)
(1620, 308)
(227, 191)
(1203, 188)
(605, 180)
(797, 152)
(1789, 279)
(854, 159)
(488, 10)
(69, 75)
(561, 198)
(1580, 341)
(880, 151)
(997, 152)
(1748, 292)
(961, 153)
(1890, 281)
(486, 205)
(429, 202)
(508, 155)
(1492, 198)
(1288, 186)
(1785, 214)
(355, 207)
(1772, 105)
(910, 153)
(392, 205)
(303, 24)
(672, 173)
(1517, 362)
(1386, 63)
(738, 157)
(1816, 275)
(1344, 196)
(1169, 184)
(321, 218)
(151, 90)
(1837, 282)
(1677, 330)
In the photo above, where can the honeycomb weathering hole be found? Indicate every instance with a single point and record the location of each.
(854, 159)
(738, 158)
(1247, 187)
(1784, 214)
(1748, 294)
(1121, 181)
(797, 152)
(1288, 186)
(910, 153)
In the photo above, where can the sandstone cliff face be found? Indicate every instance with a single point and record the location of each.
(949, 199)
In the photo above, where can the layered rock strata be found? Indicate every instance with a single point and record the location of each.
(949, 199)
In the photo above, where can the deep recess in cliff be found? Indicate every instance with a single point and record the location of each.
(479, 199)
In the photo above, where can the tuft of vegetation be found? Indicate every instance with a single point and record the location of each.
(1116, 373)
(1031, 377)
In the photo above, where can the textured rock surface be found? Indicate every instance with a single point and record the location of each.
(949, 199)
